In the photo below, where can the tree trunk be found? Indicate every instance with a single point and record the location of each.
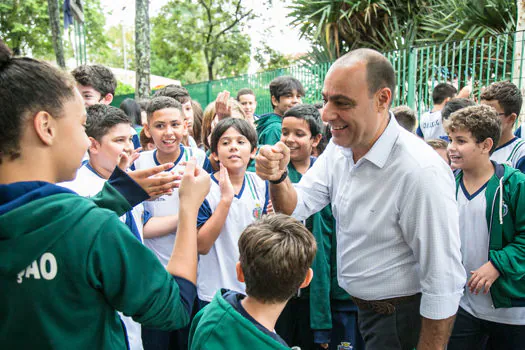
(54, 23)
(210, 71)
(142, 49)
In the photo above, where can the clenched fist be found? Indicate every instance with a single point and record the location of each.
(272, 161)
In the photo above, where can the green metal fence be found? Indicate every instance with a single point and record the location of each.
(478, 62)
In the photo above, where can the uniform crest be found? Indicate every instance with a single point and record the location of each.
(257, 211)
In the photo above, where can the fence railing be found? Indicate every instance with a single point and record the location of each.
(477, 62)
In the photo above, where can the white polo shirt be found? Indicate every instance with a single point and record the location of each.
(396, 220)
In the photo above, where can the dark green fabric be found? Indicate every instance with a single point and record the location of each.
(101, 267)
(268, 128)
(219, 326)
(507, 241)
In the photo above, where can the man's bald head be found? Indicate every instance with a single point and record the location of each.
(379, 71)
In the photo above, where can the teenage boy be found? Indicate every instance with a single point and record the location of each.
(181, 95)
(275, 257)
(285, 92)
(491, 202)
(431, 123)
(505, 98)
(406, 117)
(96, 84)
(247, 99)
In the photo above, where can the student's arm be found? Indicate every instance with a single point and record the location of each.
(429, 221)
(160, 226)
(211, 229)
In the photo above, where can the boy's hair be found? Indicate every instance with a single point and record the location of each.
(482, 122)
(27, 86)
(507, 94)
(281, 86)
(437, 143)
(405, 116)
(97, 76)
(177, 92)
(132, 110)
(308, 113)
(455, 104)
(442, 91)
(244, 92)
(143, 104)
(144, 139)
(161, 102)
(197, 121)
(275, 255)
(101, 118)
(242, 126)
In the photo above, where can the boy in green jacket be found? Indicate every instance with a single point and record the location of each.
(491, 201)
(285, 93)
(275, 257)
(69, 265)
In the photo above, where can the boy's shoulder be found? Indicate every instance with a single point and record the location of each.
(87, 183)
(219, 321)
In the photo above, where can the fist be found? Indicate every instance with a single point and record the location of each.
(272, 161)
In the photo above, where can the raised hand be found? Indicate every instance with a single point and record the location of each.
(126, 159)
(227, 191)
(222, 105)
(153, 184)
(272, 161)
(194, 186)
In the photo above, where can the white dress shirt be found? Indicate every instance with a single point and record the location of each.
(396, 220)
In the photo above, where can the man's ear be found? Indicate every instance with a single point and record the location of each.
(45, 127)
(307, 278)
(240, 273)
(384, 96)
(317, 139)
(107, 99)
(94, 146)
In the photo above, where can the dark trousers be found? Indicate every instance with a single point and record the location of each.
(397, 331)
(472, 333)
(293, 325)
(344, 326)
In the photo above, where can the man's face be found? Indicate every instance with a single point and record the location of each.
(353, 115)
(248, 104)
(90, 95)
(106, 153)
(286, 102)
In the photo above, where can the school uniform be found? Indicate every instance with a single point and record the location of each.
(88, 184)
(69, 264)
(268, 128)
(431, 126)
(217, 268)
(492, 228)
(512, 154)
(518, 131)
(224, 324)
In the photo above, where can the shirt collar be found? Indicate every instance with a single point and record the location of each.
(382, 148)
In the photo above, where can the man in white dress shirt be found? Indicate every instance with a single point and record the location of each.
(394, 203)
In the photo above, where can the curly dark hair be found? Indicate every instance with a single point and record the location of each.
(97, 76)
(507, 94)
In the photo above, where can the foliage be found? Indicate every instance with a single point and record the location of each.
(123, 89)
(192, 41)
(269, 59)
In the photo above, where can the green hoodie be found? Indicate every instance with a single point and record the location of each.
(506, 223)
(67, 265)
(269, 129)
(219, 326)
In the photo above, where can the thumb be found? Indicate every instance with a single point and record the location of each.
(279, 147)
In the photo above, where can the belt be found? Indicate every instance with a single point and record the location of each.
(385, 306)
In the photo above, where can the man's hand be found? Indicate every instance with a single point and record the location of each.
(272, 161)
(155, 185)
(483, 278)
(194, 186)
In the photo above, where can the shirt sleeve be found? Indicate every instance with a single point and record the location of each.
(429, 221)
(205, 213)
(134, 282)
(313, 190)
(419, 132)
(520, 164)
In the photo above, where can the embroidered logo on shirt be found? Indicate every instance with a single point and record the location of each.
(345, 346)
(257, 211)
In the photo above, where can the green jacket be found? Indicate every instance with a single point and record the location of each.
(219, 326)
(324, 285)
(67, 265)
(269, 129)
(506, 223)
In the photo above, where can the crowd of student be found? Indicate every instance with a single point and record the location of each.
(209, 264)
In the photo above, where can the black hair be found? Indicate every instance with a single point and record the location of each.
(241, 125)
(143, 104)
(285, 85)
(308, 113)
(318, 105)
(455, 104)
(96, 75)
(161, 102)
(405, 116)
(27, 86)
(177, 92)
(132, 110)
(507, 94)
(442, 91)
(101, 118)
(244, 91)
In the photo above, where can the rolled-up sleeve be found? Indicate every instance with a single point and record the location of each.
(430, 224)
